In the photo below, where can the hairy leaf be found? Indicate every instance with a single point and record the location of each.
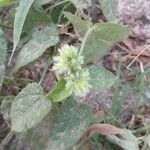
(101, 78)
(69, 124)
(3, 48)
(59, 92)
(80, 25)
(41, 40)
(20, 16)
(109, 9)
(29, 107)
(99, 38)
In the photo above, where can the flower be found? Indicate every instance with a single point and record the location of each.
(68, 64)
(79, 83)
(68, 60)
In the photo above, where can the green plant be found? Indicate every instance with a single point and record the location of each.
(76, 72)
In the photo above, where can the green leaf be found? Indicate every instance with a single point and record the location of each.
(80, 4)
(59, 92)
(6, 2)
(28, 108)
(3, 48)
(33, 19)
(101, 78)
(99, 38)
(109, 9)
(80, 25)
(20, 16)
(127, 141)
(41, 40)
(69, 124)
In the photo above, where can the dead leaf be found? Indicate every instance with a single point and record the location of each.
(106, 129)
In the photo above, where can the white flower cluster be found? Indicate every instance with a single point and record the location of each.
(69, 64)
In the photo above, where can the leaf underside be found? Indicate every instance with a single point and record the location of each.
(29, 108)
(41, 40)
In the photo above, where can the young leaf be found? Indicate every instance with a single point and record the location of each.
(28, 108)
(101, 78)
(41, 40)
(6, 2)
(59, 92)
(20, 16)
(80, 25)
(69, 124)
(3, 48)
(109, 8)
(99, 38)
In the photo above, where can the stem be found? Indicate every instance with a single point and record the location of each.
(135, 58)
